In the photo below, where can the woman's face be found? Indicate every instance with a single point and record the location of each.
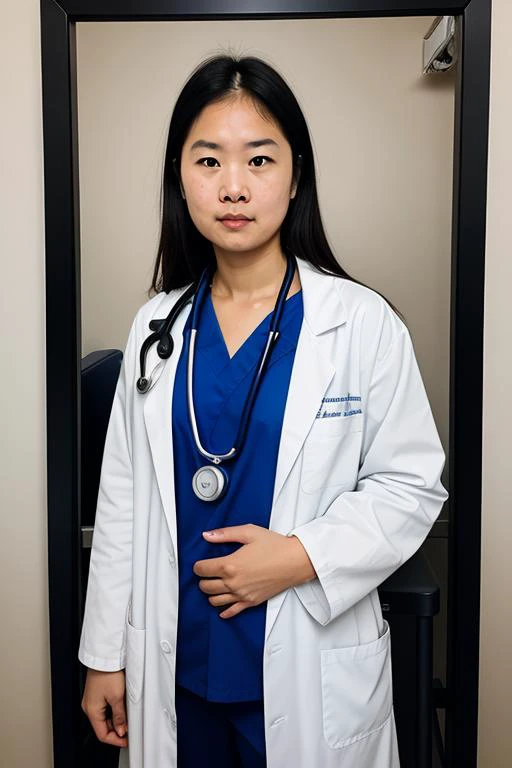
(236, 162)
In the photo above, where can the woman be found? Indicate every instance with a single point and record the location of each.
(235, 598)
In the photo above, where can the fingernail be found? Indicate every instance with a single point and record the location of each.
(209, 533)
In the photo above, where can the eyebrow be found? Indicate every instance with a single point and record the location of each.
(249, 144)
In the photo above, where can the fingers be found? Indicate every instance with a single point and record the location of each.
(104, 704)
(104, 730)
(212, 586)
(119, 720)
(216, 567)
(243, 534)
(222, 599)
(233, 610)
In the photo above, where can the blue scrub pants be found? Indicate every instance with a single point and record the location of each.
(219, 734)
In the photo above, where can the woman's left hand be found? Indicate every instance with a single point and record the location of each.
(267, 564)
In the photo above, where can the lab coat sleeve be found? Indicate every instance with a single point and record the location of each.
(102, 642)
(366, 534)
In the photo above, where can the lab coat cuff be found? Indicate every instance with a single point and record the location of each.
(318, 596)
(102, 664)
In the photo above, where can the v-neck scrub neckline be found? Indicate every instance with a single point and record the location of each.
(211, 343)
(263, 325)
(221, 384)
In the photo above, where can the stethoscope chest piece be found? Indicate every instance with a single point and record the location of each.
(143, 385)
(209, 483)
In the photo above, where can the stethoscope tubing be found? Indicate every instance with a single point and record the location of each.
(162, 337)
(263, 362)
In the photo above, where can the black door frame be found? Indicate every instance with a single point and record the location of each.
(63, 326)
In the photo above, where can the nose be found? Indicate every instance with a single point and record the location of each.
(233, 188)
(233, 197)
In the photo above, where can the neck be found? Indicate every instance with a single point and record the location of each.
(240, 277)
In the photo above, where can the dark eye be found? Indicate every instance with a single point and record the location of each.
(200, 162)
(262, 157)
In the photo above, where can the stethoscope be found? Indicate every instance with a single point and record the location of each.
(210, 483)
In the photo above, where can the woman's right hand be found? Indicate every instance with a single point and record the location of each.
(101, 690)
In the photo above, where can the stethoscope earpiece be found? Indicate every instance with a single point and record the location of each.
(165, 347)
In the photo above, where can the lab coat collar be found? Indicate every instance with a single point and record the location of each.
(323, 305)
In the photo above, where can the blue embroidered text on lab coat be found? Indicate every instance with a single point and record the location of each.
(346, 399)
(328, 414)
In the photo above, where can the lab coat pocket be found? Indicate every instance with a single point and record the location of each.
(135, 650)
(331, 453)
(357, 693)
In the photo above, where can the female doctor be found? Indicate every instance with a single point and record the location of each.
(260, 482)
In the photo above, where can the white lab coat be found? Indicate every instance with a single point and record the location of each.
(360, 491)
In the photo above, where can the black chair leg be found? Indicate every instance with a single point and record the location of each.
(438, 739)
(424, 649)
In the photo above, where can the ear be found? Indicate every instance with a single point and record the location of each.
(296, 176)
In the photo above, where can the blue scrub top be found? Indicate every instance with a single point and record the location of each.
(222, 659)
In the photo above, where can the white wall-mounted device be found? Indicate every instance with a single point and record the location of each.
(439, 47)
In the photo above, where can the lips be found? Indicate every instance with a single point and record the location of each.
(235, 217)
(235, 223)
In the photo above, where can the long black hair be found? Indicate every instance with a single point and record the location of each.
(183, 251)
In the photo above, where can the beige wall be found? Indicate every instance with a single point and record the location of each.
(25, 730)
(383, 142)
(25, 723)
(495, 711)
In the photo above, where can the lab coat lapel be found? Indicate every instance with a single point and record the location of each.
(313, 368)
(311, 375)
(312, 372)
(158, 413)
